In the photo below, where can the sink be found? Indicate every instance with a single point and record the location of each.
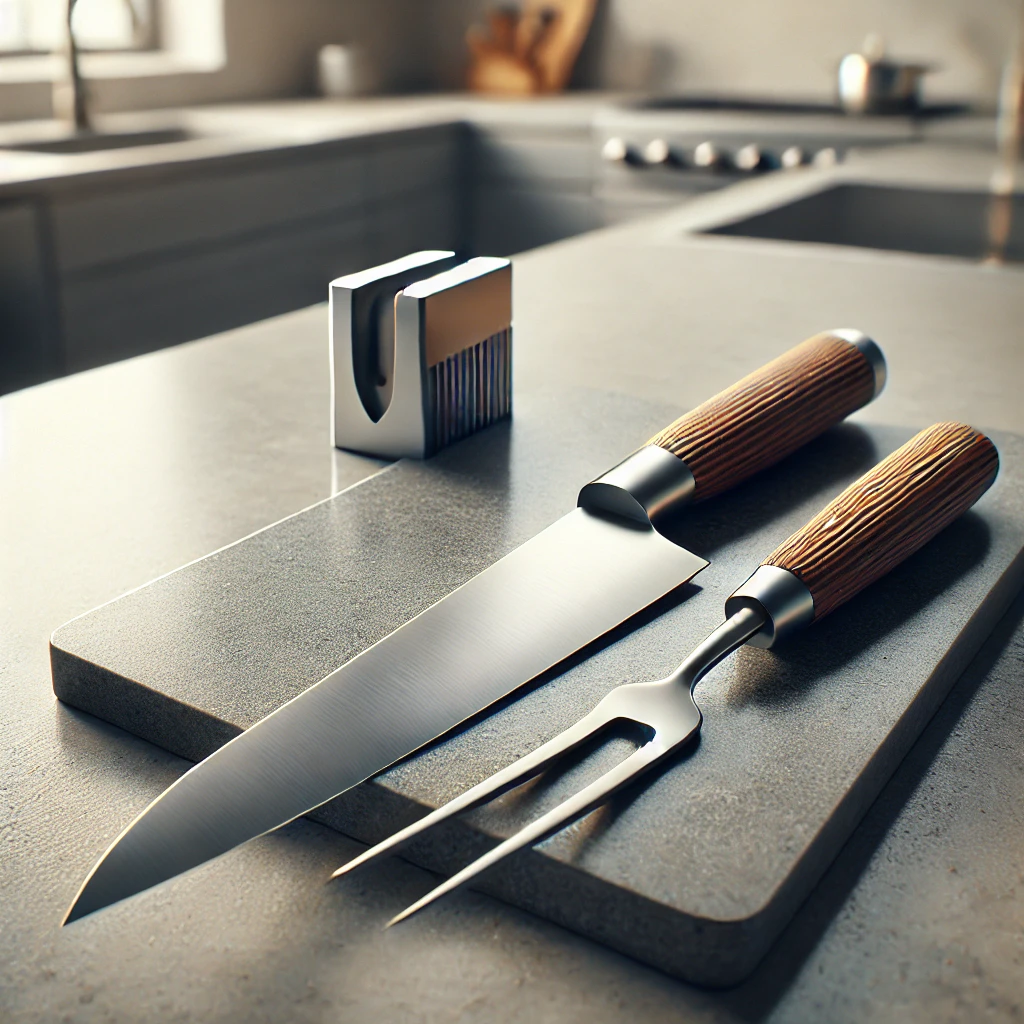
(729, 105)
(930, 221)
(92, 142)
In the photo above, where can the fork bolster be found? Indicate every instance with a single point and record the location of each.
(784, 599)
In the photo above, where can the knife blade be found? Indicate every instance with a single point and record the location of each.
(584, 575)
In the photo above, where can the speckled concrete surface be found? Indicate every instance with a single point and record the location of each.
(696, 870)
(113, 477)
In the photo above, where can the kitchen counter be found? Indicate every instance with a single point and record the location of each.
(112, 477)
(244, 210)
(233, 133)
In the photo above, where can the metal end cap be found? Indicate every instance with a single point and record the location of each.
(785, 600)
(871, 352)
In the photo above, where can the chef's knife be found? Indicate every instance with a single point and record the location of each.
(579, 578)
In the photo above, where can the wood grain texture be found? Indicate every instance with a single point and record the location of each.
(770, 413)
(890, 512)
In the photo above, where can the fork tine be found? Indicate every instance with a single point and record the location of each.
(527, 766)
(566, 812)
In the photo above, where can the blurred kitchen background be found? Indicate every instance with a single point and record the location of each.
(210, 182)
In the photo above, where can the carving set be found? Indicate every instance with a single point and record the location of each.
(421, 354)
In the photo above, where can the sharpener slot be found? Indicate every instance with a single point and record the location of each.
(420, 361)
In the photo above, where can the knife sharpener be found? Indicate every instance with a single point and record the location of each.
(421, 353)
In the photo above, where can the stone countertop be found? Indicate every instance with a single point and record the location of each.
(242, 131)
(112, 477)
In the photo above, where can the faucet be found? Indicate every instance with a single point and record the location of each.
(69, 98)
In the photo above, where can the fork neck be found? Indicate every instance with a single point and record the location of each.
(733, 633)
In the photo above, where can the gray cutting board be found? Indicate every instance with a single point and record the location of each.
(697, 869)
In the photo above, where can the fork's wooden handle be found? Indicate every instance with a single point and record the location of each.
(774, 410)
(890, 512)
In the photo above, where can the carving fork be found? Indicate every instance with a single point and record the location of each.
(877, 522)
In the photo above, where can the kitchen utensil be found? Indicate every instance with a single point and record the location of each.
(532, 51)
(502, 24)
(337, 71)
(877, 522)
(573, 582)
(868, 83)
(421, 352)
(494, 71)
(501, 56)
(566, 25)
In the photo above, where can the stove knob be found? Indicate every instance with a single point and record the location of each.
(657, 151)
(793, 157)
(617, 151)
(707, 155)
(827, 157)
(748, 158)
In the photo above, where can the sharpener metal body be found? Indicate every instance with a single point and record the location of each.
(420, 353)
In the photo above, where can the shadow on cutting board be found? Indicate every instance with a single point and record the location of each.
(825, 464)
(777, 679)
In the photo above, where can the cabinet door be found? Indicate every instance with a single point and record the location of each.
(531, 187)
(150, 305)
(414, 161)
(544, 162)
(509, 220)
(28, 337)
(415, 189)
(198, 206)
(426, 220)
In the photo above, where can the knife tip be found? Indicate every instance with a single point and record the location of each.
(90, 897)
(73, 913)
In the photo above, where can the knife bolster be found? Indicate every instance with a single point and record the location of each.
(785, 600)
(644, 488)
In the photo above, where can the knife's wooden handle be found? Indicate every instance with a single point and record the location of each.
(772, 412)
(889, 513)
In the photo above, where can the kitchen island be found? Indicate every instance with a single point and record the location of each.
(115, 476)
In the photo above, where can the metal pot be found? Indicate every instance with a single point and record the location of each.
(873, 85)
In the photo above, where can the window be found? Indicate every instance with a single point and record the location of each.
(36, 26)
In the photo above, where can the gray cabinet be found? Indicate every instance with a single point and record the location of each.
(172, 253)
(144, 305)
(28, 330)
(531, 185)
(195, 205)
(415, 186)
(123, 263)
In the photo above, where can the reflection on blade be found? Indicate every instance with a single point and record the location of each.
(559, 591)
